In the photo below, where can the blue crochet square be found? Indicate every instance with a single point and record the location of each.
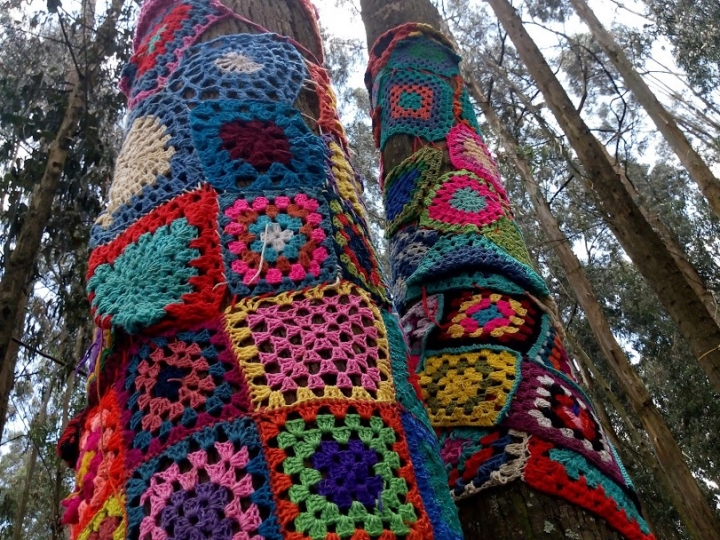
(256, 145)
(425, 54)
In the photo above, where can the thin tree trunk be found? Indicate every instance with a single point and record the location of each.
(7, 368)
(641, 242)
(687, 498)
(663, 120)
(38, 423)
(21, 261)
(515, 510)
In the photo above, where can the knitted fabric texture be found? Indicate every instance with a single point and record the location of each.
(485, 355)
(249, 380)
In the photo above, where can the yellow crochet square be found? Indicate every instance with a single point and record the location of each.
(325, 342)
(109, 522)
(345, 183)
(469, 388)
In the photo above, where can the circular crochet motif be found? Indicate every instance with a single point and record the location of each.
(256, 144)
(276, 242)
(462, 202)
(244, 67)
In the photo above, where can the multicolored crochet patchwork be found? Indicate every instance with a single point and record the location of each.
(249, 380)
(485, 352)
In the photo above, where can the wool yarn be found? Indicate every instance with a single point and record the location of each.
(485, 354)
(251, 380)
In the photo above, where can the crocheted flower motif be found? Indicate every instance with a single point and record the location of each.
(245, 67)
(487, 316)
(342, 469)
(177, 384)
(165, 271)
(553, 407)
(157, 162)
(349, 357)
(212, 485)
(406, 186)
(472, 388)
(413, 103)
(355, 251)
(477, 459)
(100, 463)
(564, 473)
(276, 242)
(164, 32)
(256, 145)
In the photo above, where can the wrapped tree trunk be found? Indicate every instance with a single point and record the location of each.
(248, 378)
(487, 353)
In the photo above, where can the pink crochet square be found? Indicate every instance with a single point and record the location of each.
(323, 342)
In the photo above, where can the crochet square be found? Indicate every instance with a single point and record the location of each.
(415, 104)
(468, 151)
(460, 201)
(100, 463)
(549, 349)
(177, 384)
(276, 241)
(356, 254)
(425, 54)
(108, 523)
(470, 388)
(407, 251)
(156, 163)
(489, 317)
(406, 186)
(256, 145)
(551, 406)
(477, 459)
(322, 342)
(165, 271)
(343, 179)
(342, 471)
(165, 30)
(563, 473)
(212, 485)
(245, 66)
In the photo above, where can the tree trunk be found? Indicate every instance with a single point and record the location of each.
(687, 498)
(38, 423)
(316, 431)
(7, 368)
(640, 241)
(514, 510)
(663, 120)
(21, 261)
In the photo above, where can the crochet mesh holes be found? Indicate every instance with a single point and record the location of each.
(177, 384)
(100, 465)
(342, 469)
(555, 409)
(323, 342)
(164, 271)
(213, 484)
(356, 253)
(276, 241)
(486, 316)
(243, 67)
(256, 144)
(470, 388)
(416, 104)
(477, 459)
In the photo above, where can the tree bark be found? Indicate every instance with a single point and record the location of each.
(640, 241)
(687, 498)
(19, 264)
(7, 368)
(663, 120)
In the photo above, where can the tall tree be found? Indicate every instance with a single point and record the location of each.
(663, 120)
(481, 326)
(646, 247)
(249, 379)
